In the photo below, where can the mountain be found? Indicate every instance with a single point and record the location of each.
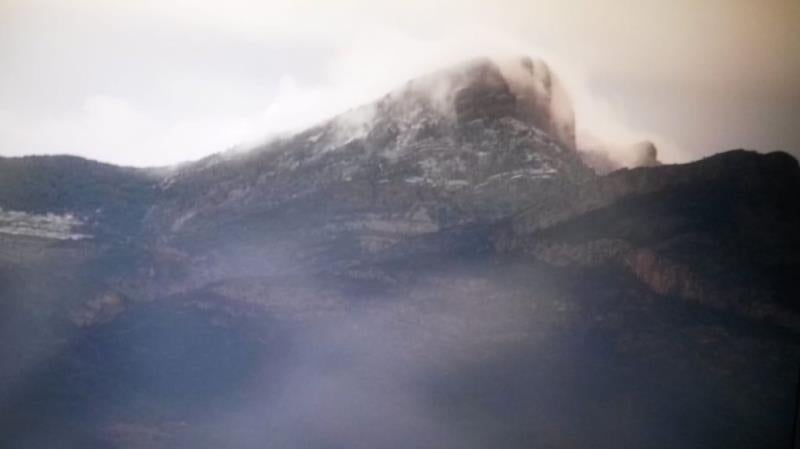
(440, 268)
(421, 159)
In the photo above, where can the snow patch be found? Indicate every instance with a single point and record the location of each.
(49, 226)
(545, 172)
(178, 224)
(353, 125)
(456, 183)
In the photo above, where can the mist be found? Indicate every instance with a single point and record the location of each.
(469, 355)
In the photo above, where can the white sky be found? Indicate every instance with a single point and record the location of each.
(158, 82)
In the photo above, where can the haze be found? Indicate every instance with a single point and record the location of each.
(159, 82)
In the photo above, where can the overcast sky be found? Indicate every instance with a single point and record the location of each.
(158, 82)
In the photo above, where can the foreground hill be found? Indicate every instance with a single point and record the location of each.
(437, 269)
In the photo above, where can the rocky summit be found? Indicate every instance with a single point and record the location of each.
(440, 268)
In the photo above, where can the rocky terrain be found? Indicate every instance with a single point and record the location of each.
(440, 268)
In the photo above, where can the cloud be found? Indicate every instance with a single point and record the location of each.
(111, 129)
(192, 78)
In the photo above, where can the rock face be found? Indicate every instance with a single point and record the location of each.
(441, 264)
(606, 160)
(645, 154)
(525, 89)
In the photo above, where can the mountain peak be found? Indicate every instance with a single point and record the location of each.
(487, 89)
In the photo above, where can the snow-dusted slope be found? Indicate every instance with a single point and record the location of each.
(473, 143)
(48, 226)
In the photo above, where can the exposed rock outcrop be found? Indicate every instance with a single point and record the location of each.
(688, 231)
(100, 310)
